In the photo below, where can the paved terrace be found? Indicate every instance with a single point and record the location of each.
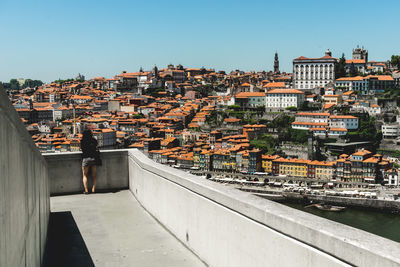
(117, 231)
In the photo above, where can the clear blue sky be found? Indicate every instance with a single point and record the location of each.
(51, 39)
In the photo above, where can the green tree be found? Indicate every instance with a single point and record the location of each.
(291, 108)
(395, 61)
(341, 67)
(14, 84)
(31, 83)
(353, 70)
(266, 143)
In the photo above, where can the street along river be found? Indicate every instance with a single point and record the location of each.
(383, 224)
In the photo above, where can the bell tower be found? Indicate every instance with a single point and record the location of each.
(276, 63)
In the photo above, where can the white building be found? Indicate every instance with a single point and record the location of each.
(309, 73)
(250, 99)
(391, 177)
(324, 124)
(343, 121)
(390, 131)
(312, 117)
(359, 65)
(277, 99)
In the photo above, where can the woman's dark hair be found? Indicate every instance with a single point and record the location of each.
(86, 136)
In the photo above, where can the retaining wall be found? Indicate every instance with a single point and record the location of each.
(24, 192)
(65, 172)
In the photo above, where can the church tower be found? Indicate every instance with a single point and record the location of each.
(276, 63)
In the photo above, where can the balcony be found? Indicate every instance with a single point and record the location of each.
(175, 216)
(147, 214)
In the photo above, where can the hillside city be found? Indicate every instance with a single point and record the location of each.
(331, 119)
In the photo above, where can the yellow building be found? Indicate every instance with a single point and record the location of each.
(324, 170)
(293, 167)
(267, 162)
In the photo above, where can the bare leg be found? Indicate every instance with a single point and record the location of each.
(94, 177)
(85, 171)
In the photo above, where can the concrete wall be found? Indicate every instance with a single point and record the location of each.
(227, 227)
(65, 171)
(24, 192)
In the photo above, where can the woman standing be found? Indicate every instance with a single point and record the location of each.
(90, 158)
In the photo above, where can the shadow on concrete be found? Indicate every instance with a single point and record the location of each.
(98, 191)
(65, 245)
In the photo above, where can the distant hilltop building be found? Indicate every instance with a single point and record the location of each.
(309, 73)
(80, 77)
(360, 53)
(359, 61)
(21, 81)
(276, 63)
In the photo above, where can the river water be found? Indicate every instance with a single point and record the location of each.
(383, 224)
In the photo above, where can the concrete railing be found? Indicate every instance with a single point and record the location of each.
(24, 192)
(65, 172)
(225, 226)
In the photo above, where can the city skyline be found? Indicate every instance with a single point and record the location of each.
(49, 40)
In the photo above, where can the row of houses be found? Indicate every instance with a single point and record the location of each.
(323, 123)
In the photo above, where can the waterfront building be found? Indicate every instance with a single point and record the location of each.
(267, 162)
(293, 167)
(361, 166)
(309, 73)
(322, 170)
(255, 164)
(391, 177)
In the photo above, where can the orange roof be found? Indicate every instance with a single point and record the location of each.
(342, 117)
(312, 114)
(357, 78)
(317, 129)
(275, 84)
(328, 106)
(285, 91)
(371, 160)
(348, 93)
(249, 94)
(310, 123)
(338, 129)
(231, 120)
(355, 61)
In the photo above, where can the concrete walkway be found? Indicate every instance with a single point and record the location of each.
(119, 232)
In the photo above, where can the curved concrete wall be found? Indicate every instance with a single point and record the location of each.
(24, 193)
(227, 227)
(65, 171)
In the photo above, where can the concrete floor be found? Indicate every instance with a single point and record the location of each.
(119, 232)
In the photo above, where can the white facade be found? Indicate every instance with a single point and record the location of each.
(343, 121)
(283, 98)
(391, 130)
(309, 73)
(312, 117)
